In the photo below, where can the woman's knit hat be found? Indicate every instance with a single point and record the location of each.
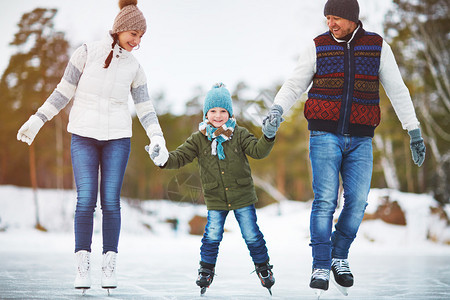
(129, 17)
(347, 9)
(218, 96)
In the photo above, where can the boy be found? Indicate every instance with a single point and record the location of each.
(221, 147)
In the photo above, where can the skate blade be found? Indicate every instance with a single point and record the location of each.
(270, 291)
(318, 292)
(108, 288)
(203, 290)
(83, 290)
(342, 289)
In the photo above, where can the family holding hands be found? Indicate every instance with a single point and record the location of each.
(340, 69)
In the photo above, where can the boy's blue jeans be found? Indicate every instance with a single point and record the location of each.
(253, 237)
(331, 155)
(87, 156)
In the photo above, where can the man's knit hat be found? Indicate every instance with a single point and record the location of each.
(218, 96)
(347, 9)
(129, 17)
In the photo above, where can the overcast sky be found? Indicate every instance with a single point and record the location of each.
(195, 43)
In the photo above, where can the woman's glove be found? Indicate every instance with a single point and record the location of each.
(29, 129)
(157, 150)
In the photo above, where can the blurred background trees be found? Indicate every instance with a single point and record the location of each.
(32, 74)
(418, 32)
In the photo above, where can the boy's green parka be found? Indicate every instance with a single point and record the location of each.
(227, 184)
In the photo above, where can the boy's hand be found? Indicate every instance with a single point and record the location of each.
(272, 121)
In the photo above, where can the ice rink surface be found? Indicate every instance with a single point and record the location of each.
(41, 266)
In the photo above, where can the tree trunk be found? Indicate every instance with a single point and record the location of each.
(59, 153)
(269, 188)
(32, 159)
(281, 175)
(408, 170)
(387, 162)
(281, 171)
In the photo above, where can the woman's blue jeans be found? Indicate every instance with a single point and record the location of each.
(111, 158)
(352, 158)
(253, 237)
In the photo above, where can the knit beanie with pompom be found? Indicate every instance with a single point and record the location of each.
(218, 96)
(129, 18)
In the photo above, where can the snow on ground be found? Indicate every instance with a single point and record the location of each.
(389, 261)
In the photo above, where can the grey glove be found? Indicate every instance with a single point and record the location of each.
(417, 146)
(272, 121)
(154, 153)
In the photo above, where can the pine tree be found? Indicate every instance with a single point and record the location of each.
(30, 77)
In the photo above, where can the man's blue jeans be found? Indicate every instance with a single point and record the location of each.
(88, 155)
(331, 155)
(253, 237)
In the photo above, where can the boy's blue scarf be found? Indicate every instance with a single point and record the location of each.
(218, 135)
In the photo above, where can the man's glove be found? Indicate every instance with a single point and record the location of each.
(29, 129)
(417, 146)
(272, 121)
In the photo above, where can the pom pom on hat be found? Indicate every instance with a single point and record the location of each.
(123, 3)
(347, 9)
(129, 17)
(218, 96)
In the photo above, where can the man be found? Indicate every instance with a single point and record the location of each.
(345, 66)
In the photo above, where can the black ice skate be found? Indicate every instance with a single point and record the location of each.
(265, 275)
(319, 281)
(343, 277)
(205, 276)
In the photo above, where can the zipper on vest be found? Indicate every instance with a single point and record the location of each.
(347, 101)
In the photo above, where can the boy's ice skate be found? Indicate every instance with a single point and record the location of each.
(205, 276)
(109, 279)
(343, 277)
(265, 275)
(83, 277)
(320, 279)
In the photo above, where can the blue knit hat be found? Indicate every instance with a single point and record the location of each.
(218, 96)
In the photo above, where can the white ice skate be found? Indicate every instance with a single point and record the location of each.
(109, 279)
(83, 277)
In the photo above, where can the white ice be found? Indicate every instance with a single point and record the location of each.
(388, 261)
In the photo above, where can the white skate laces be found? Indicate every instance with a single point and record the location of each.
(321, 274)
(343, 277)
(109, 279)
(83, 277)
(341, 266)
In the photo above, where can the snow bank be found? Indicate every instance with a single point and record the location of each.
(286, 220)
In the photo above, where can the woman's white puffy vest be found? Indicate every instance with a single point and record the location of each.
(100, 104)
